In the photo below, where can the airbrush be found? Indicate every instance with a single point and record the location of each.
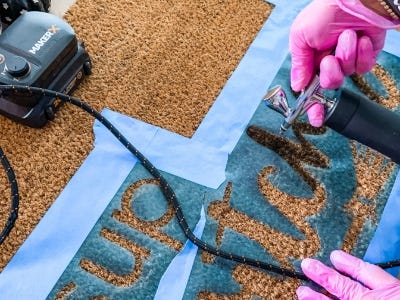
(346, 112)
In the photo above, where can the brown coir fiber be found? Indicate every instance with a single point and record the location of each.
(163, 62)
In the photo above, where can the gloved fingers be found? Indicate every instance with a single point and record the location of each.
(387, 293)
(354, 54)
(377, 37)
(346, 51)
(303, 59)
(305, 293)
(370, 275)
(320, 55)
(302, 64)
(366, 57)
(331, 75)
(316, 114)
(335, 283)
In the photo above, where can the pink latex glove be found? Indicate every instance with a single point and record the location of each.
(347, 28)
(365, 281)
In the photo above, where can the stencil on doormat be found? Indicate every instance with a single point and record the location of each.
(285, 198)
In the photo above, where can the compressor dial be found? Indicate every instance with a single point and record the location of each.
(17, 66)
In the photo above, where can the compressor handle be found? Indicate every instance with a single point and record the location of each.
(367, 122)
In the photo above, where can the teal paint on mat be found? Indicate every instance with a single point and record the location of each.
(245, 162)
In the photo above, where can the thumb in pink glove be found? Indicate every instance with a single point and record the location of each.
(365, 281)
(355, 33)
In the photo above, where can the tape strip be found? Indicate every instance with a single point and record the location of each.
(173, 282)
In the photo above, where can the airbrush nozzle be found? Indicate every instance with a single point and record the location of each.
(284, 127)
(276, 99)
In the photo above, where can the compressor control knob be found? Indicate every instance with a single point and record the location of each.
(17, 66)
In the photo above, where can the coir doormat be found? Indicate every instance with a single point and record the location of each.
(285, 198)
(280, 196)
(163, 62)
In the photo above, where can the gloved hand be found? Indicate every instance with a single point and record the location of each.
(366, 281)
(354, 33)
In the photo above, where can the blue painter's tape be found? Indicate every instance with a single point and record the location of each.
(189, 159)
(392, 43)
(37, 265)
(226, 120)
(173, 282)
(385, 244)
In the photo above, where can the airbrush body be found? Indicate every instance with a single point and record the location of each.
(276, 99)
(350, 114)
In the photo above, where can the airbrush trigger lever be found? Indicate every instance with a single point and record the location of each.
(276, 99)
